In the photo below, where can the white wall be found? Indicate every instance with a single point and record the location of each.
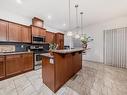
(15, 18)
(20, 19)
(96, 32)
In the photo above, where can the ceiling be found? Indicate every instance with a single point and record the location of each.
(55, 12)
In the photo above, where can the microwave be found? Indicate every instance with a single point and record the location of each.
(38, 39)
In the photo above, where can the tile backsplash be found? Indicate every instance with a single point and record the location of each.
(7, 48)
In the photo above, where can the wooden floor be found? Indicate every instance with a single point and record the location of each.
(93, 79)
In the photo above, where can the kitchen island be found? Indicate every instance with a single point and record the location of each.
(59, 67)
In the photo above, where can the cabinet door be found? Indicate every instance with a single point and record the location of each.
(14, 32)
(59, 39)
(13, 64)
(49, 37)
(77, 62)
(42, 32)
(27, 62)
(26, 34)
(2, 67)
(3, 30)
(35, 31)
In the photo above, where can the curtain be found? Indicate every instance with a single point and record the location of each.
(115, 47)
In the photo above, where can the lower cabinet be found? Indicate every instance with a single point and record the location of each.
(2, 67)
(13, 64)
(27, 62)
(16, 64)
(77, 61)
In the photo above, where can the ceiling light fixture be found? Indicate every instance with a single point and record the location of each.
(81, 13)
(69, 33)
(19, 1)
(77, 36)
(64, 24)
(49, 17)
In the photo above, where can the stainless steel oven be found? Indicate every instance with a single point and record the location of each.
(38, 39)
(37, 60)
(38, 50)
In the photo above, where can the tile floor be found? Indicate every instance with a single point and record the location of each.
(93, 79)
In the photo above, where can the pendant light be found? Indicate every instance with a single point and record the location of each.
(69, 33)
(77, 36)
(81, 13)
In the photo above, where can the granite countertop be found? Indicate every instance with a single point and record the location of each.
(62, 52)
(68, 50)
(12, 53)
(47, 55)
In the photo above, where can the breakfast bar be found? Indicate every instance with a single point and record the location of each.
(60, 66)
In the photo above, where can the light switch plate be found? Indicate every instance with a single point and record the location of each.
(51, 61)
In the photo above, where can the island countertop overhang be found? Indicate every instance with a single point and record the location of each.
(68, 51)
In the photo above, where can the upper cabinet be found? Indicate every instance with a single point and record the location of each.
(37, 31)
(59, 39)
(3, 30)
(37, 22)
(50, 37)
(26, 34)
(14, 34)
(37, 27)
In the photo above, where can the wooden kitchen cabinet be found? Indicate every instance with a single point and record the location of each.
(13, 64)
(14, 33)
(2, 67)
(26, 34)
(42, 32)
(3, 30)
(37, 22)
(50, 37)
(59, 39)
(28, 62)
(77, 61)
(64, 65)
(36, 31)
(19, 63)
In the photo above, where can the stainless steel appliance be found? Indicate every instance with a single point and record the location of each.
(38, 39)
(38, 50)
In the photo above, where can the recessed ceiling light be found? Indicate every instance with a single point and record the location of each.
(19, 1)
(64, 24)
(49, 17)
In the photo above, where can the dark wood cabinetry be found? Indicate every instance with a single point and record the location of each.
(14, 33)
(66, 64)
(3, 30)
(13, 64)
(42, 32)
(48, 73)
(77, 62)
(2, 67)
(26, 34)
(50, 37)
(37, 22)
(59, 39)
(27, 62)
(37, 31)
